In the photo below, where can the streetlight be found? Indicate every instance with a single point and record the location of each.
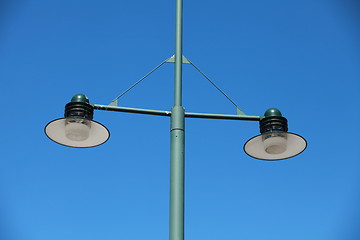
(274, 142)
(77, 129)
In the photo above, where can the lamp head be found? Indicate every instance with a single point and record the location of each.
(77, 129)
(274, 142)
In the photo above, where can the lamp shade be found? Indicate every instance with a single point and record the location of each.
(78, 133)
(275, 146)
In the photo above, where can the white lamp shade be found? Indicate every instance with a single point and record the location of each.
(84, 136)
(275, 146)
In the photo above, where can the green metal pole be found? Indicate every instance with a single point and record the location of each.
(177, 160)
(177, 140)
(178, 55)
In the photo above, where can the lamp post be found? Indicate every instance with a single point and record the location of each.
(77, 129)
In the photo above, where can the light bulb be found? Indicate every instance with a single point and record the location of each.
(274, 143)
(77, 129)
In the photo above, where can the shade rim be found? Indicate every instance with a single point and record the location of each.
(98, 127)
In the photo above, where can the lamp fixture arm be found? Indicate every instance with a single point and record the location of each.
(131, 110)
(168, 113)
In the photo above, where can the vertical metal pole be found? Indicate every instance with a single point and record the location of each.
(178, 55)
(177, 140)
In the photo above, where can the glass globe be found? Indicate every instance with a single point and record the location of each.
(77, 129)
(274, 143)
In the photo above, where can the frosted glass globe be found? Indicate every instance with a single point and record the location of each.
(77, 129)
(274, 143)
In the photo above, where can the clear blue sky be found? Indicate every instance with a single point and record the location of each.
(302, 57)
